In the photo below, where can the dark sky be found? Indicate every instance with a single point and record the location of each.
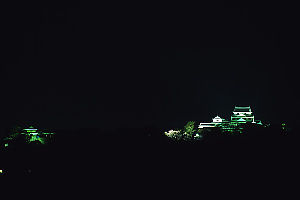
(75, 65)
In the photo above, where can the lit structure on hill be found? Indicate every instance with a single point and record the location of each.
(241, 121)
(241, 115)
(30, 135)
(216, 121)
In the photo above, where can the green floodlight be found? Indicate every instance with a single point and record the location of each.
(48, 133)
(31, 131)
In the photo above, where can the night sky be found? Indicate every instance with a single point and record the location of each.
(106, 66)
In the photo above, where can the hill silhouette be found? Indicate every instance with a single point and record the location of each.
(146, 155)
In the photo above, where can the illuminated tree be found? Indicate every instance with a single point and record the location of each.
(188, 133)
(189, 130)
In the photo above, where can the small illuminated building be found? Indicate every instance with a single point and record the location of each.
(34, 132)
(30, 131)
(242, 115)
(216, 121)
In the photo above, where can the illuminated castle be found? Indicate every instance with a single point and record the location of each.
(30, 135)
(217, 120)
(241, 115)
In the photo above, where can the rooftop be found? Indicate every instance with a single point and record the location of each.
(242, 109)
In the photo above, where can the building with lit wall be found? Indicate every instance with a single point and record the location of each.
(217, 120)
(241, 115)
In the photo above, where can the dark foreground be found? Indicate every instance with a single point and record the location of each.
(129, 161)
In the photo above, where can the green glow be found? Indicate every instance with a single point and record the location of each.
(240, 116)
(283, 126)
(29, 135)
(241, 121)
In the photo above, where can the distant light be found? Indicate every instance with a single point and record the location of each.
(1, 171)
(6, 145)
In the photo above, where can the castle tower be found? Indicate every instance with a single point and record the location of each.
(242, 115)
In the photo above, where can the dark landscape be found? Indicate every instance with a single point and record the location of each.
(144, 151)
(111, 78)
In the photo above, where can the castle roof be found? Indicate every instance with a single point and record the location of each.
(242, 109)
